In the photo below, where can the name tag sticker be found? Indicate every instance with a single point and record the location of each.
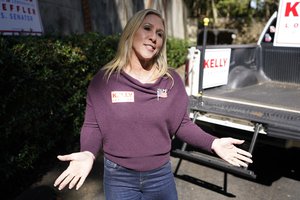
(122, 96)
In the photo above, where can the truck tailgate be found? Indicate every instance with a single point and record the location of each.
(274, 104)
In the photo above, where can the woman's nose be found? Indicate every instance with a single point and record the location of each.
(153, 37)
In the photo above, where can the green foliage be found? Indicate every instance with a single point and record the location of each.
(245, 16)
(233, 8)
(177, 50)
(43, 86)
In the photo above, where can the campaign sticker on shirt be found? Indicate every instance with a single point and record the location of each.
(122, 96)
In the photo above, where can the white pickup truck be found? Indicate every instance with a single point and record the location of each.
(252, 87)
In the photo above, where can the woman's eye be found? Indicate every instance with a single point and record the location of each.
(160, 34)
(147, 28)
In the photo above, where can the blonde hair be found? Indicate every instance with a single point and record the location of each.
(122, 57)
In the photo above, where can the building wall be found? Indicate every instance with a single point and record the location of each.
(107, 16)
(61, 17)
(111, 16)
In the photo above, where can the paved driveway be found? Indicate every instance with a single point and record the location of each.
(278, 178)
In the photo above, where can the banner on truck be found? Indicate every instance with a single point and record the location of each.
(215, 72)
(288, 24)
(20, 17)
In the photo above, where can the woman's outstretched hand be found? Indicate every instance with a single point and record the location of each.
(80, 166)
(226, 149)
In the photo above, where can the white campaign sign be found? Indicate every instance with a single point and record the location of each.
(288, 24)
(20, 17)
(216, 69)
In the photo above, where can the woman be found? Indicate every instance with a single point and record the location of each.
(135, 105)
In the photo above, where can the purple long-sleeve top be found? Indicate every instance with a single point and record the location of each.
(134, 123)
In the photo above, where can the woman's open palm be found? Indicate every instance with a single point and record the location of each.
(80, 166)
(226, 149)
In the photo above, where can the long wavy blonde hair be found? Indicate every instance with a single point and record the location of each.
(123, 55)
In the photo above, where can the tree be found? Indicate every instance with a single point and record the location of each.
(232, 14)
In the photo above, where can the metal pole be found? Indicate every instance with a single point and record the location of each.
(257, 128)
(201, 67)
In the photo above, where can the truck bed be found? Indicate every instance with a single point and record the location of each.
(267, 94)
(275, 104)
(263, 87)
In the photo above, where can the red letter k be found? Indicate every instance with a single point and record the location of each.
(292, 9)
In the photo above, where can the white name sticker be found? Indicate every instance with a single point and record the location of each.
(122, 96)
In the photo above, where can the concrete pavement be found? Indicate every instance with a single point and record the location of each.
(279, 182)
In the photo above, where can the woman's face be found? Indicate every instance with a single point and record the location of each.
(148, 39)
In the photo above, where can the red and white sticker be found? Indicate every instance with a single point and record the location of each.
(122, 96)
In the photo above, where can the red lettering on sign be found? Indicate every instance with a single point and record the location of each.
(212, 63)
(17, 8)
(216, 62)
(205, 63)
(292, 9)
(225, 61)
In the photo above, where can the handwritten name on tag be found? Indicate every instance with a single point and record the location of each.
(122, 96)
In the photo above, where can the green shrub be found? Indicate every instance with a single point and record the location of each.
(177, 50)
(43, 86)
